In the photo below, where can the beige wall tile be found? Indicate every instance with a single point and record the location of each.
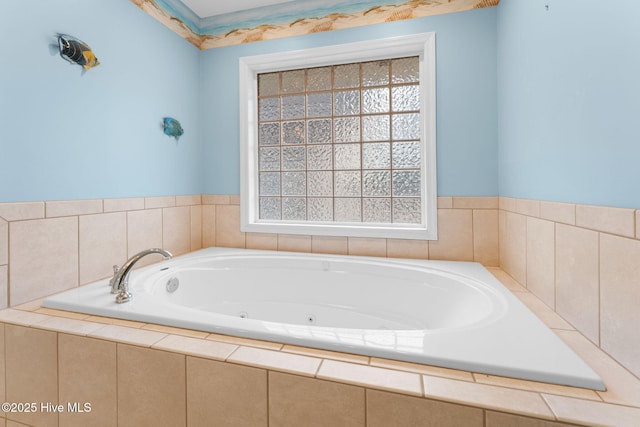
(69, 325)
(72, 207)
(175, 331)
(129, 335)
(151, 387)
(485, 237)
(35, 306)
(502, 240)
(422, 369)
(4, 286)
(326, 354)
(263, 241)
(20, 317)
(21, 211)
(487, 396)
(389, 409)
(144, 231)
(31, 357)
(196, 347)
(540, 387)
(507, 204)
(294, 243)
(234, 199)
(248, 342)
(514, 242)
(455, 236)
(407, 248)
(330, 245)
(499, 419)
(44, 258)
(228, 232)
(114, 321)
(276, 360)
(297, 401)
(592, 413)
(475, 202)
(603, 218)
(189, 200)
(541, 259)
(208, 226)
(638, 224)
(445, 202)
(159, 202)
(87, 373)
(577, 284)
(215, 199)
(620, 299)
(4, 242)
(176, 229)
(370, 376)
(528, 207)
(119, 205)
(365, 246)
(558, 212)
(225, 394)
(196, 227)
(103, 243)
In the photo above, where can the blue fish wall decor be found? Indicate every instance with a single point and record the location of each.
(172, 127)
(77, 52)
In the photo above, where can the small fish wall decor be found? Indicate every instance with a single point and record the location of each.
(77, 52)
(172, 127)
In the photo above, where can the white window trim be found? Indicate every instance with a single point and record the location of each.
(421, 45)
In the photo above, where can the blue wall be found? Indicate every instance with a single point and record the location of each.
(569, 100)
(65, 135)
(467, 147)
(532, 103)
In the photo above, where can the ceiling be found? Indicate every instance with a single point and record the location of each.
(206, 8)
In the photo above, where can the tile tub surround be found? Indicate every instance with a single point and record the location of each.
(76, 242)
(121, 366)
(467, 231)
(584, 263)
(528, 232)
(47, 247)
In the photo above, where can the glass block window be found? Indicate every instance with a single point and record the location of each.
(341, 143)
(332, 146)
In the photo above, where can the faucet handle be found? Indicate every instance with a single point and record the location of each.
(116, 269)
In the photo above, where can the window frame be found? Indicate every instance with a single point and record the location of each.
(421, 45)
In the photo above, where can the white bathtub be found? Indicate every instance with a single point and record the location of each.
(449, 314)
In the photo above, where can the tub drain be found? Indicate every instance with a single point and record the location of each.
(172, 284)
(243, 314)
(311, 318)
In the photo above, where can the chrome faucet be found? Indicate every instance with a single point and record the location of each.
(120, 280)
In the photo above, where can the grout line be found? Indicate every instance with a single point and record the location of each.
(186, 391)
(366, 398)
(117, 383)
(555, 268)
(268, 392)
(555, 416)
(78, 254)
(599, 314)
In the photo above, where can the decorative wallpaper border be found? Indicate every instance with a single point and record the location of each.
(280, 21)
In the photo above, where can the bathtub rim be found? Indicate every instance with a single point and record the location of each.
(587, 378)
